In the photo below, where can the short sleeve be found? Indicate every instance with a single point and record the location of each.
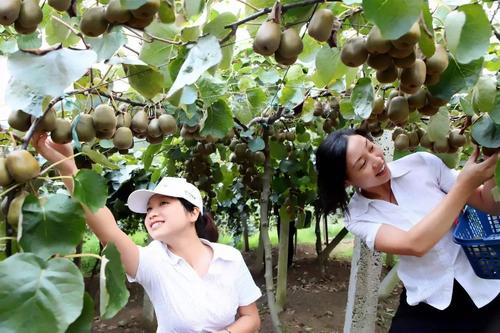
(367, 231)
(142, 276)
(248, 292)
(445, 176)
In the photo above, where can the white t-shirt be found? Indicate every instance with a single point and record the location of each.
(419, 181)
(183, 301)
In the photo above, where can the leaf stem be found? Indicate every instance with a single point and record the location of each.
(81, 255)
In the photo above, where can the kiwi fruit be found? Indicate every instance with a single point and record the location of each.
(48, 122)
(375, 43)
(409, 39)
(123, 138)
(5, 177)
(290, 44)
(435, 101)
(432, 79)
(405, 62)
(93, 22)
(379, 62)
(154, 129)
(104, 118)
(284, 61)
(428, 110)
(321, 25)
(168, 124)
(398, 110)
(268, 37)
(426, 142)
(9, 11)
(30, 14)
(354, 52)
(60, 5)
(140, 122)
(116, 14)
(396, 132)
(24, 30)
(402, 142)
(418, 100)
(15, 209)
(438, 62)
(414, 76)
(388, 75)
(140, 23)
(408, 89)
(123, 119)
(19, 120)
(378, 105)
(455, 139)
(401, 53)
(85, 128)
(441, 146)
(62, 133)
(22, 166)
(149, 9)
(154, 140)
(318, 109)
(414, 139)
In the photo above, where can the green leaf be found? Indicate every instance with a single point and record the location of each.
(53, 225)
(468, 32)
(113, 291)
(439, 125)
(456, 77)
(393, 17)
(219, 120)
(486, 132)
(132, 4)
(426, 42)
(31, 41)
(83, 324)
(346, 109)
(90, 189)
(211, 89)
(149, 154)
(329, 67)
(495, 113)
(278, 150)
(290, 95)
(106, 45)
(204, 55)
(193, 7)
(147, 81)
(362, 98)
(99, 158)
(466, 105)
(256, 144)
(39, 296)
(159, 53)
(56, 32)
(166, 13)
(256, 96)
(484, 93)
(216, 26)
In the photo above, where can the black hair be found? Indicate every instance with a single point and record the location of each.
(331, 165)
(204, 225)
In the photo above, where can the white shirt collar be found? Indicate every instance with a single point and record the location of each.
(219, 252)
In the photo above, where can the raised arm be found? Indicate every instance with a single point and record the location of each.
(102, 223)
(424, 235)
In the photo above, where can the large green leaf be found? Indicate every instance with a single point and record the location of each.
(51, 226)
(484, 94)
(113, 291)
(56, 32)
(132, 4)
(468, 32)
(204, 55)
(83, 324)
(219, 120)
(439, 125)
(106, 45)
(30, 41)
(362, 98)
(393, 17)
(216, 26)
(90, 189)
(147, 81)
(99, 158)
(495, 113)
(38, 296)
(211, 89)
(486, 132)
(426, 41)
(329, 67)
(149, 154)
(193, 7)
(158, 53)
(456, 77)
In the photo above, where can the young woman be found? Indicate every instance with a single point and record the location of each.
(195, 285)
(408, 208)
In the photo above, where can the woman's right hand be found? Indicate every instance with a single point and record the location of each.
(54, 152)
(474, 174)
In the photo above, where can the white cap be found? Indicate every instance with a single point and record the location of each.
(170, 186)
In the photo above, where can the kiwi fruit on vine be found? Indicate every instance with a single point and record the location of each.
(284, 61)
(401, 53)
(418, 100)
(149, 9)
(414, 76)
(428, 110)
(388, 75)
(435, 101)
(290, 44)
(396, 132)
(402, 142)
(392, 94)
(432, 79)
(259, 157)
(19, 120)
(321, 24)
(438, 62)
(24, 30)
(380, 61)
(268, 37)
(405, 62)
(123, 119)
(22, 166)
(154, 129)
(30, 14)
(5, 177)
(104, 118)
(123, 138)
(375, 43)
(48, 122)
(85, 128)
(408, 89)
(93, 22)
(62, 133)
(455, 139)
(487, 151)
(60, 5)
(140, 122)
(409, 39)
(378, 105)
(398, 110)
(168, 124)
(116, 14)
(413, 139)
(154, 140)
(426, 142)
(9, 11)
(139, 22)
(354, 52)
(441, 146)
(318, 109)
(15, 209)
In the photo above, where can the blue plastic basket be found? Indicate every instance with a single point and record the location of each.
(479, 235)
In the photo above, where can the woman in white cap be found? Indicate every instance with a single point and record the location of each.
(195, 285)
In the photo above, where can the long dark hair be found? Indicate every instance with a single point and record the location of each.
(332, 170)
(204, 225)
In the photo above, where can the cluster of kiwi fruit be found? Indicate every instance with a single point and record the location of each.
(396, 59)
(26, 15)
(329, 110)
(198, 167)
(409, 140)
(96, 20)
(248, 162)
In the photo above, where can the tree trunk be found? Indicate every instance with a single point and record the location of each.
(259, 255)
(282, 263)
(264, 220)
(244, 224)
(317, 231)
(326, 230)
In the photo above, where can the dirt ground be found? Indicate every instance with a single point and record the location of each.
(316, 303)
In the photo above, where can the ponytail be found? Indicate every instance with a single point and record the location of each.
(204, 225)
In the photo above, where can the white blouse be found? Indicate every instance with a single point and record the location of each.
(183, 301)
(419, 181)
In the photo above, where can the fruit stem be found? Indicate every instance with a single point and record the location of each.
(9, 189)
(80, 255)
